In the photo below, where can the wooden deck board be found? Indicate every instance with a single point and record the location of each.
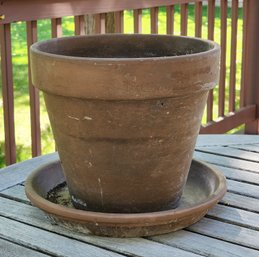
(227, 162)
(8, 249)
(227, 232)
(243, 188)
(44, 241)
(235, 216)
(239, 175)
(33, 216)
(17, 173)
(204, 245)
(249, 148)
(16, 193)
(240, 201)
(231, 152)
(226, 140)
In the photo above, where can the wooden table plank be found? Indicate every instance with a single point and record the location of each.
(239, 175)
(204, 245)
(243, 188)
(231, 152)
(47, 242)
(226, 140)
(251, 148)
(240, 201)
(16, 193)
(227, 232)
(137, 247)
(235, 216)
(17, 173)
(8, 249)
(227, 162)
(32, 215)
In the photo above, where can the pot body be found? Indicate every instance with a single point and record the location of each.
(125, 114)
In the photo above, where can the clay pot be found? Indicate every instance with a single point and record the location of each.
(125, 112)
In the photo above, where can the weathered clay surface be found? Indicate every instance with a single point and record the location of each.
(204, 188)
(125, 111)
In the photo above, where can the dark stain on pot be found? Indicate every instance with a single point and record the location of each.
(161, 104)
(60, 195)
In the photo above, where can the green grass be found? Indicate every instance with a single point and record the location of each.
(20, 71)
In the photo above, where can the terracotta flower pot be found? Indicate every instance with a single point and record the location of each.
(125, 112)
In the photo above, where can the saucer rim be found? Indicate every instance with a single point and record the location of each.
(160, 217)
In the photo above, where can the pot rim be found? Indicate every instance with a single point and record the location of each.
(35, 49)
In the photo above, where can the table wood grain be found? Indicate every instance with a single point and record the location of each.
(231, 228)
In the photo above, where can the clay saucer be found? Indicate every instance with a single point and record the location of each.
(204, 188)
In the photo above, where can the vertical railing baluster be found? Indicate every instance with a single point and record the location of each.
(211, 25)
(211, 19)
(232, 81)
(119, 21)
(79, 25)
(8, 96)
(170, 19)
(137, 14)
(34, 95)
(244, 71)
(56, 27)
(100, 23)
(198, 19)
(184, 19)
(154, 19)
(223, 43)
(251, 80)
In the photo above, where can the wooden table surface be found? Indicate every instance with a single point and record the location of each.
(229, 229)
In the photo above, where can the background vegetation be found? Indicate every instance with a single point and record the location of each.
(20, 70)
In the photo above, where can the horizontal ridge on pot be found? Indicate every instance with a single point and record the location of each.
(125, 128)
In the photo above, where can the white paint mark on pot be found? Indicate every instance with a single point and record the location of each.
(167, 113)
(101, 189)
(72, 117)
(89, 164)
(79, 201)
(87, 118)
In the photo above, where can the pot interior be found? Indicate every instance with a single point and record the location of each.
(124, 46)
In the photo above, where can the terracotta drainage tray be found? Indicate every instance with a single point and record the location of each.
(46, 188)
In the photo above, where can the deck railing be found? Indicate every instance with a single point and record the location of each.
(235, 100)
